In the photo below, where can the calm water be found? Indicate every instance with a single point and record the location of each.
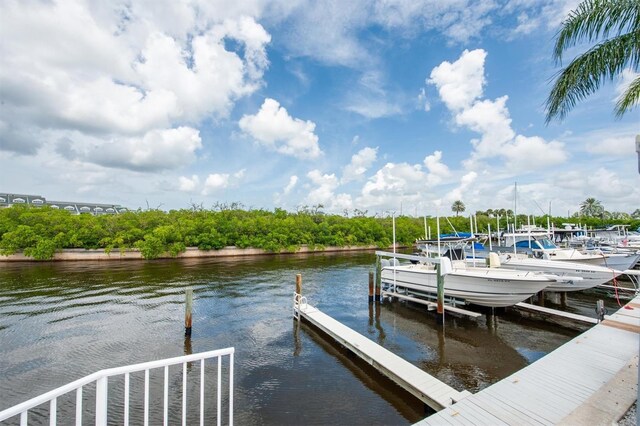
(61, 321)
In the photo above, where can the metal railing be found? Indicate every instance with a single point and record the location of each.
(101, 380)
(299, 302)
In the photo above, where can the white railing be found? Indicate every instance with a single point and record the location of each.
(101, 379)
(299, 302)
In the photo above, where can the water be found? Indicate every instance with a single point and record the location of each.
(61, 321)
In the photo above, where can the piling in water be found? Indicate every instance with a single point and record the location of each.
(187, 311)
(370, 286)
(440, 310)
(299, 283)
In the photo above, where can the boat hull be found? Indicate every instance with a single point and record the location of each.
(620, 261)
(479, 286)
(592, 275)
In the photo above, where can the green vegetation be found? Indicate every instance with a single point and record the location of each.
(41, 231)
(614, 27)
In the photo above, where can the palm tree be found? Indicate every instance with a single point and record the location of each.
(591, 207)
(614, 25)
(458, 206)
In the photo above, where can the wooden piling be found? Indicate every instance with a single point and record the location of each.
(440, 307)
(299, 283)
(541, 298)
(187, 311)
(370, 286)
(563, 299)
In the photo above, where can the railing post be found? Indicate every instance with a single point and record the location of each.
(231, 389)
(101, 401)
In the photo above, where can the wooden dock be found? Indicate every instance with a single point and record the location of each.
(592, 379)
(423, 386)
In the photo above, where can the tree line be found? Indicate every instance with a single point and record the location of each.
(39, 232)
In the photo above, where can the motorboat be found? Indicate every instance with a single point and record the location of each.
(592, 275)
(571, 276)
(492, 287)
(541, 247)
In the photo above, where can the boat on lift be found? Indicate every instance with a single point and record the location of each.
(492, 287)
(540, 246)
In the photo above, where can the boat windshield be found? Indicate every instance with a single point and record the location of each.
(546, 243)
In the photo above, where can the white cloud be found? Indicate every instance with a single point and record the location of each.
(460, 85)
(490, 119)
(323, 192)
(373, 108)
(370, 99)
(423, 102)
(293, 181)
(533, 153)
(155, 150)
(533, 15)
(341, 202)
(437, 169)
(612, 146)
(282, 199)
(324, 186)
(461, 191)
(327, 31)
(123, 79)
(215, 182)
(461, 82)
(392, 185)
(188, 184)
(274, 128)
(360, 163)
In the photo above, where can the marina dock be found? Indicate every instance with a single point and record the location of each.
(422, 385)
(592, 379)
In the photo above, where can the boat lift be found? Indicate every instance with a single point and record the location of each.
(442, 270)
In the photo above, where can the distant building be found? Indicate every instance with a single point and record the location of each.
(8, 200)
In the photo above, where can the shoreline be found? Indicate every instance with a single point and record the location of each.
(189, 253)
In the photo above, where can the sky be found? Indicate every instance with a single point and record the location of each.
(386, 106)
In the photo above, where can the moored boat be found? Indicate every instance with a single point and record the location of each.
(490, 287)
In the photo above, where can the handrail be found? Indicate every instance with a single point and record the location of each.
(101, 379)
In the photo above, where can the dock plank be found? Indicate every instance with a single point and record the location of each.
(427, 388)
(553, 387)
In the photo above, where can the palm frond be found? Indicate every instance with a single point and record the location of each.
(586, 73)
(594, 19)
(629, 99)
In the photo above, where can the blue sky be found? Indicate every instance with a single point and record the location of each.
(376, 106)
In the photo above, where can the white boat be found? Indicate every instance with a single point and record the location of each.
(592, 275)
(490, 287)
(543, 248)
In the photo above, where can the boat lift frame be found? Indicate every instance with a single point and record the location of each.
(440, 296)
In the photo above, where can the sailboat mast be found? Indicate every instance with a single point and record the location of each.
(515, 207)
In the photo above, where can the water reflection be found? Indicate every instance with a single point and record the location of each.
(95, 315)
